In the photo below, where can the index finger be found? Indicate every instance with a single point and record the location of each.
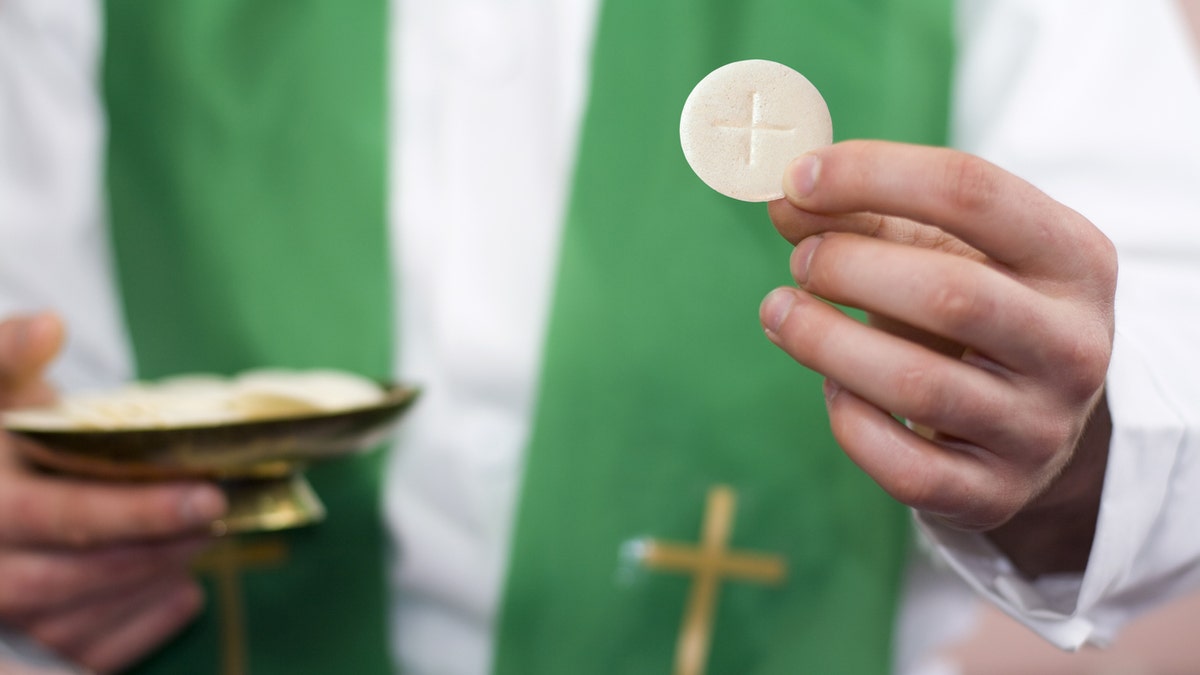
(43, 510)
(1002, 215)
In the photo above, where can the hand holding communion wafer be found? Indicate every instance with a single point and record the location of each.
(97, 572)
(991, 310)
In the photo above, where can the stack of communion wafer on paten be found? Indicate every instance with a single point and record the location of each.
(205, 400)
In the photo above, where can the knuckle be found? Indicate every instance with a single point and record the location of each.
(1097, 253)
(989, 502)
(1046, 440)
(922, 394)
(913, 491)
(75, 534)
(922, 488)
(958, 305)
(1104, 253)
(993, 513)
(969, 184)
(1080, 364)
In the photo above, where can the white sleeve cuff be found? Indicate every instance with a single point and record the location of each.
(1145, 549)
(1045, 608)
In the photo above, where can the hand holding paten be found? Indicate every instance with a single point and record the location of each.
(97, 572)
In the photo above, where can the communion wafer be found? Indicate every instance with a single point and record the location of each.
(326, 390)
(204, 400)
(746, 121)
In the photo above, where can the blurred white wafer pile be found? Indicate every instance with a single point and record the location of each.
(204, 400)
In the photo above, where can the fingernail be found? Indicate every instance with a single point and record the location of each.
(202, 505)
(802, 176)
(775, 308)
(830, 389)
(802, 257)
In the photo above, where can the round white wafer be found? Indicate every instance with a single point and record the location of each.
(746, 121)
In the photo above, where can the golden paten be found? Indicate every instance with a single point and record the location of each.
(259, 464)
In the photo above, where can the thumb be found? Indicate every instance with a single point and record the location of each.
(27, 346)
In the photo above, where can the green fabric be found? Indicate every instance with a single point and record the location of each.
(246, 172)
(246, 176)
(658, 382)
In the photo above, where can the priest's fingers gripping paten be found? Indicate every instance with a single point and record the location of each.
(254, 433)
(993, 328)
(96, 572)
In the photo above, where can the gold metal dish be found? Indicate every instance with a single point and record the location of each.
(259, 464)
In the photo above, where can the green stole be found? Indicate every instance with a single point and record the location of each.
(246, 181)
(658, 382)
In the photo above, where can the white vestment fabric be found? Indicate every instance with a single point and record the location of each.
(1095, 101)
(487, 96)
(1098, 104)
(53, 245)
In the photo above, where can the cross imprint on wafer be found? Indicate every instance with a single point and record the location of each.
(746, 121)
(755, 126)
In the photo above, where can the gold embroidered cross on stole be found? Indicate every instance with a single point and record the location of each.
(709, 563)
(225, 562)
